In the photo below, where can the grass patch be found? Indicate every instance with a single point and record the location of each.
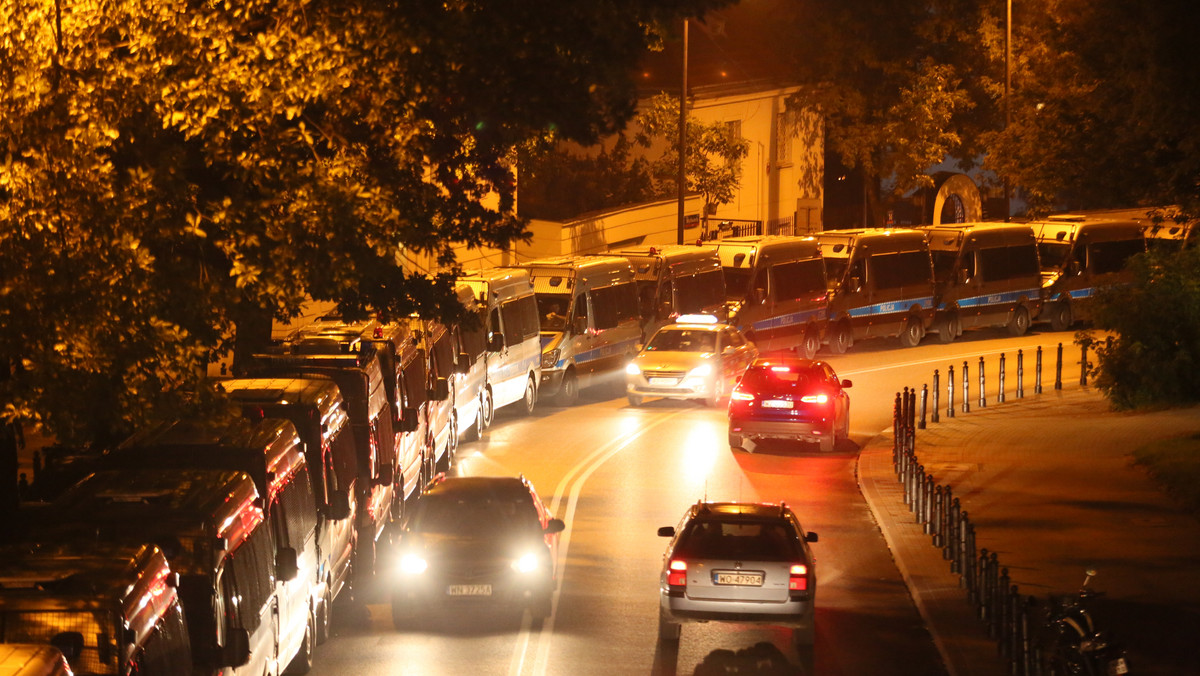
(1175, 465)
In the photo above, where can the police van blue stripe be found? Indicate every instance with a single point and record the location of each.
(995, 298)
(787, 320)
(891, 308)
(601, 352)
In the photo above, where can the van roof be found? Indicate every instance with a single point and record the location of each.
(319, 393)
(1067, 227)
(738, 252)
(65, 576)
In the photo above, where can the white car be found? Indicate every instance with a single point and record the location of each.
(695, 358)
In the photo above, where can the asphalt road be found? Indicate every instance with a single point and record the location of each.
(616, 473)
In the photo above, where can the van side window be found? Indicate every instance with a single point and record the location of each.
(798, 279)
(412, 382)
(627, 303)
(530, 322)
(580, 309)
(297, 509)
(1108, 257)
(249, 586)
(520, 320)
(167, 650)
(345, 459)
(896, 270)
(666, 304)
(472, 341)
(443, 357)
(1008, 262)
(604, 305)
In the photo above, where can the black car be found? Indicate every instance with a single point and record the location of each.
(476, 542)
(789, 398)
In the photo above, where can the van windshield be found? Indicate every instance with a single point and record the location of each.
(1053, 254)
(737, 282)
(552, 311)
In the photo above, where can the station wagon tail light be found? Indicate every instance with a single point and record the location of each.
(798, 578)
(815, 399)
(739, 395)
(677, 574)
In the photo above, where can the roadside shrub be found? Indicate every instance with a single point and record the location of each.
(1152, 355)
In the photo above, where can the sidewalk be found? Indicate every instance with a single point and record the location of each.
(1051, 488)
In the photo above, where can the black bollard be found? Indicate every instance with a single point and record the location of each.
(1058, 370)
(950, 391)
(924, 406)
(1083, 365)
(1037, 376)
(966, 405)
(982, 386)
(1020, 374)
(1000, 390)
(935, 416)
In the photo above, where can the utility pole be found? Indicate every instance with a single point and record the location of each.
(683, 91)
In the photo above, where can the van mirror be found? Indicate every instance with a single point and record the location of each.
(286, 565)
(463, 365)
(386, 476)
(440, 390)
(339, 505)
(554, 526)
(847, 383)
(495, 342)
(236, 651)
(408, 419)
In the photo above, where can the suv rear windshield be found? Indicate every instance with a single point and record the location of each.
(765, 379)
(743, 540)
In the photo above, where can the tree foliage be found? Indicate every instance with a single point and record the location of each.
(1153, 354)
(560, 185)
(170, 171)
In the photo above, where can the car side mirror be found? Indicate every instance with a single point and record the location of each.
(286, 565)
(847, 383)
(339, 505)
(408, 419)
(463, 365)
(666, 532)
(554, 526)
(386, 476)
(495, 342)
(810, 537)
(236, 651)
(440, 390)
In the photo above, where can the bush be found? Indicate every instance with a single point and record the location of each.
(1152, 356)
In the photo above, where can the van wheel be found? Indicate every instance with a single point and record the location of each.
(812, 343)
(1060, 316)
(529, 399)
(843, 338)
(948, 328)
(447, 463)
(325, 616)
(911, 334)
(486, 412)
(1018, 324)
(303, 661)
(568, 392)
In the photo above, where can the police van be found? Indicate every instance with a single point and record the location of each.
(504, 300)
(30, 659)
(775, 288)
(318, 411)
(108, 608)
(590, 323)
(1080, 254)
(881, 285)
(271, 452)
(470, 370)
(987, 274)
(675, 280)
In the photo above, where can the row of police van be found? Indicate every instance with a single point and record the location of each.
(221, 548)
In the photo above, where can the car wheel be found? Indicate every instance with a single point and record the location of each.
(529, 399)
(948, 328)
(635, 400)
(843, 339)
(303, 661)
(829, 442)
(668, 631)
(735, 442)
(1061, 317)
(910, 335)
(812, 343)
(568, 392)
(713, 399)
(1018, 324)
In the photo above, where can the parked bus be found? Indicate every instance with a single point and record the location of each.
(590, 323)
(675, 280)
(109, 609)
(987, 274)
(881, 284)
(504, 299)
(1078, 255)
(776, 292)
(271, 452)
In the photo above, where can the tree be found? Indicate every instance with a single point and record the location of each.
(560, 185)
(174, 174)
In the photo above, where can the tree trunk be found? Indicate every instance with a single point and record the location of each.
(253, 335)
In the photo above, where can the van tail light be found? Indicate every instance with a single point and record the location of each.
(798, 581)
(677, 577)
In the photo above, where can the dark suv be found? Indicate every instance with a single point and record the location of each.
(475, 542)
(738, 562)
(789, 398)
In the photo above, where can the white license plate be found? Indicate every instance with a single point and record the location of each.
(469, 590)
(1117, 667)
(776, 403)
(739, 579)
(665, 382)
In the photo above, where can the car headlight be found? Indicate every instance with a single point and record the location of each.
(632, 369)
(549, 358)
(701, 371)
(411, 564)
(526, 563)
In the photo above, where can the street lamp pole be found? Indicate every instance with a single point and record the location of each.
(1007, 86)
(682, 177)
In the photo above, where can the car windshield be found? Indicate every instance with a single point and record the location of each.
(779, 378)
(741, 540)
(475, 516)
(683, 340)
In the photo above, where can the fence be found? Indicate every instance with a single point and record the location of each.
(1014, 620)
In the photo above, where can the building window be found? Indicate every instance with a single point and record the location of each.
(783, 140)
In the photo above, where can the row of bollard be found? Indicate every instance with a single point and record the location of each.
(1009, 617)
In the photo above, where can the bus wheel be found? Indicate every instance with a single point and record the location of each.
(842, 339)
(1018, 324)
(1060, 316)
(912, 332)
